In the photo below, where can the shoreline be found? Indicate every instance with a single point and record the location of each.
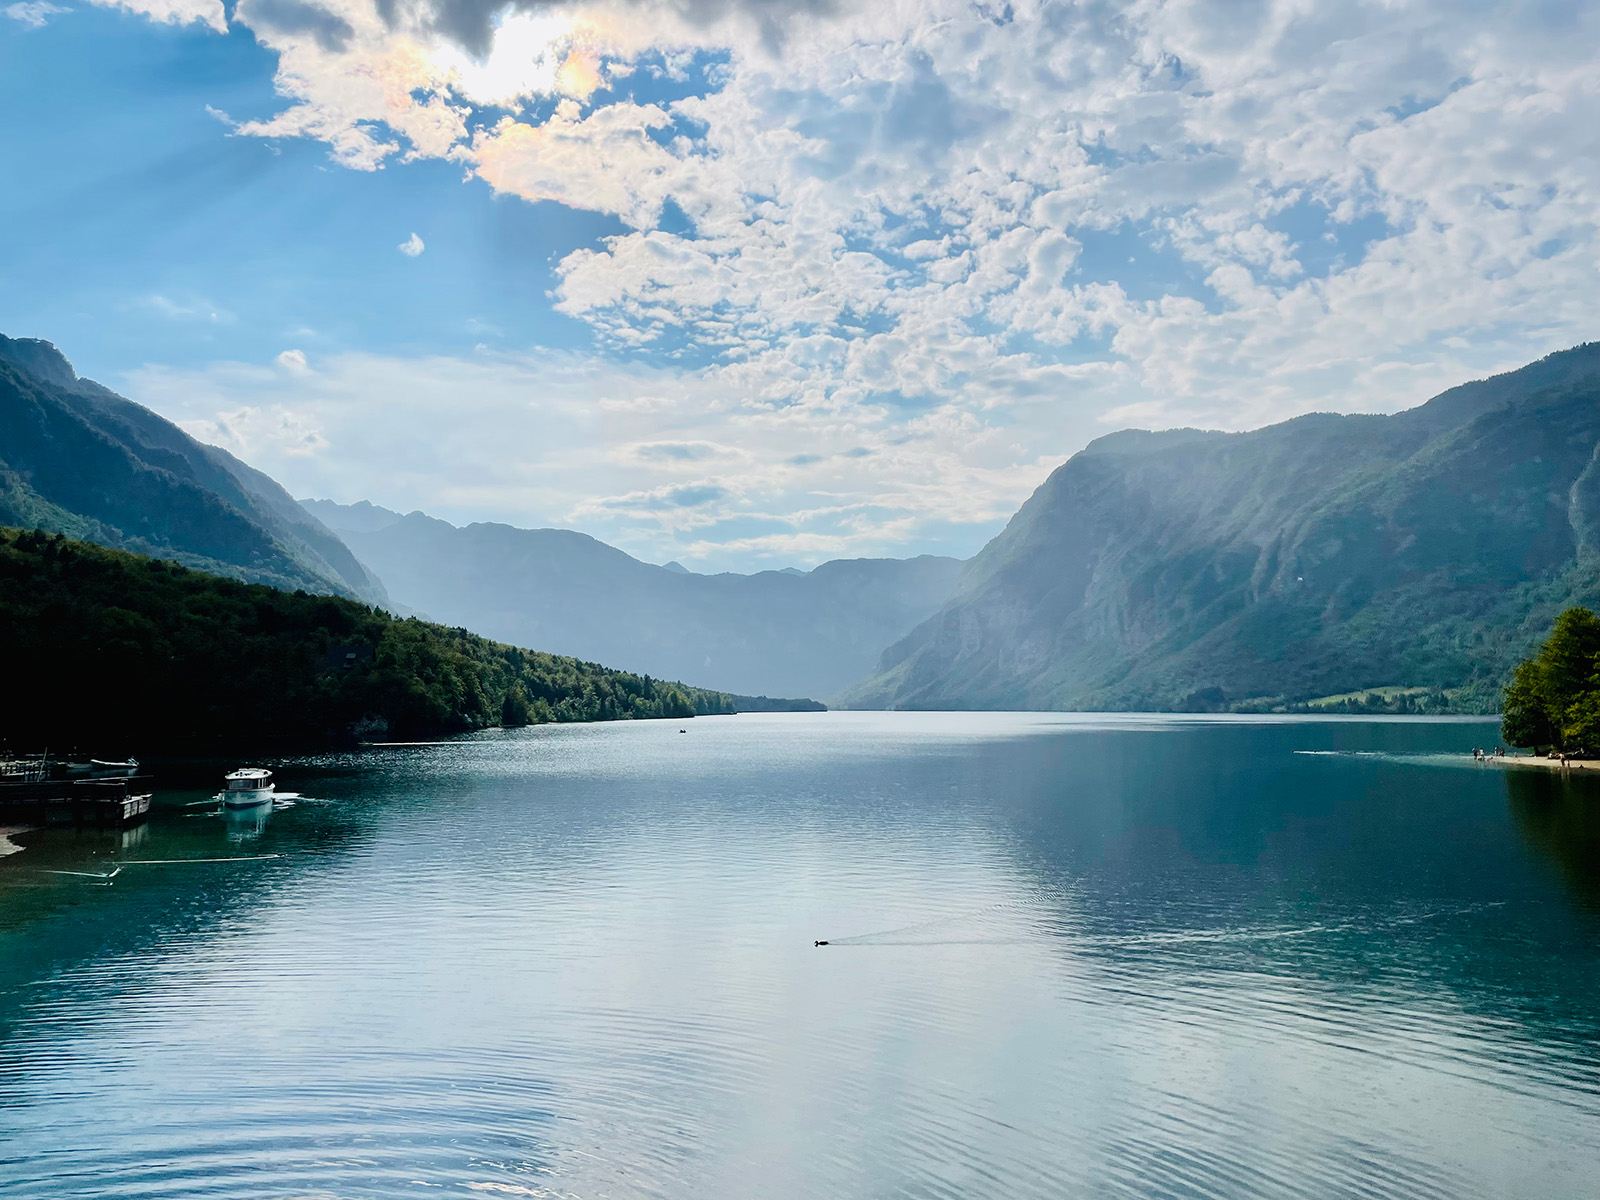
(1549, 764)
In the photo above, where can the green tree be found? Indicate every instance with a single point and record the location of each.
(185, 662)
(1567, 659)
(1554, 698)
(514, 710)
(1583, 717)
(1525, 721)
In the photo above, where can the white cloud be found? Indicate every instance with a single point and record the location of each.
(293, 361)
(269, 432)
(663, 463)
(411, 247)
(605, 161)
(33, 14)
(960, 236)
(176, 12)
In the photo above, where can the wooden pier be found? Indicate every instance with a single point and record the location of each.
(105, 803)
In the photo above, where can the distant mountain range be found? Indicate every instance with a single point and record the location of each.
(78, 459)
(1188, 570)
(780, 633)
(1214, 571)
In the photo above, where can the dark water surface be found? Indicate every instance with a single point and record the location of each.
(1071, 957)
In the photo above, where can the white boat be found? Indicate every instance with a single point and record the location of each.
(248, 787)
(101, 769)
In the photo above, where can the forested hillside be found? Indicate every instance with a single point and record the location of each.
(1427, 550)
(78, 459)
(123, 653)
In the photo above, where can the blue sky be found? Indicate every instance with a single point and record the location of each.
(748, 284)
(134, 195)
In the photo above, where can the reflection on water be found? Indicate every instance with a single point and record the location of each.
(1560, 815)
(1068, 956)
(246, 824)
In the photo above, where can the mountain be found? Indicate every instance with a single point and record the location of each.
(78, 459)
(122, 653)
(1199, 570)
(780, 633)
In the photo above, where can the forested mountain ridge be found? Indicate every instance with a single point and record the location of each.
(78, 459)
(786, 633)
(1202, 570)
(128, 654)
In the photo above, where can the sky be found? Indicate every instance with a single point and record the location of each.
(745, 283)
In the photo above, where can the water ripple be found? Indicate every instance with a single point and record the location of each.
(1140, 959)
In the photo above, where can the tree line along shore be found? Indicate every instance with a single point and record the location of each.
(1552, 704)
(122, 652)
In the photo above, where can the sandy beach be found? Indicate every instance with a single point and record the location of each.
(1551, 764)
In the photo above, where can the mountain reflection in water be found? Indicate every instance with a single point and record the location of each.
(1068, 955)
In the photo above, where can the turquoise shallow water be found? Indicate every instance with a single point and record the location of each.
(1070, 956)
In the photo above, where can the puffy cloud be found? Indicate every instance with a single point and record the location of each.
(412, 247)
(176, 12)
(353, 83)
(960, 235)
(330, 30)
(605, 161)
(477, 25)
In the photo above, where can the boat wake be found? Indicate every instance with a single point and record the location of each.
(969, 930)
(1431, 758)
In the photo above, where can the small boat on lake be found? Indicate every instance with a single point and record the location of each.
(247, 787)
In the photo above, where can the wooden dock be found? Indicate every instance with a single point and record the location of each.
(114, 803)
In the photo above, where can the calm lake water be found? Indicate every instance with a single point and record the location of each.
(1070, 956)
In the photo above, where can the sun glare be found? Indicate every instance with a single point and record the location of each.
(579, 75)
(530, 54)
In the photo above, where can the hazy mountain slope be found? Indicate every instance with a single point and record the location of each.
(78, 459)
(779, 633)
(1326, 554)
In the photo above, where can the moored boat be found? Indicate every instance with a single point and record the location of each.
(247, 787)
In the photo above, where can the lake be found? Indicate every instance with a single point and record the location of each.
(1069, 955)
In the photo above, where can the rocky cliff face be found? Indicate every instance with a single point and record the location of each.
(1199, 570)
(78, 459)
